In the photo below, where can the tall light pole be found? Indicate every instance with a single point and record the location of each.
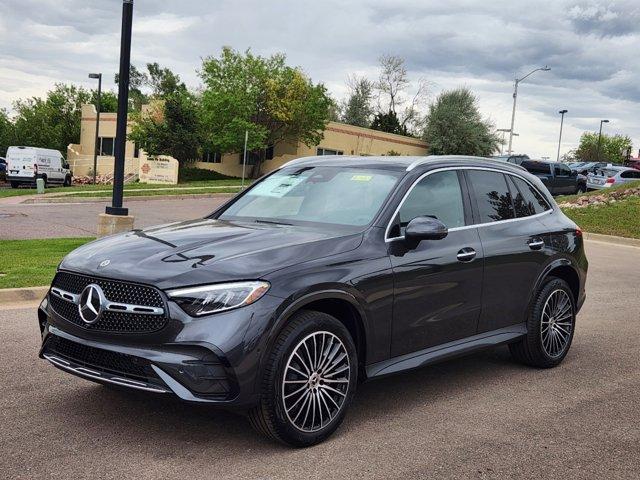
(515, 98)
(95, 145)
(561, 112)
(116, 207)
(600, 139)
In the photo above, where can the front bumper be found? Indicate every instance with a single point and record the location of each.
(213, 360)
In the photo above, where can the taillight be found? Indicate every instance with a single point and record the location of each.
(611, 180)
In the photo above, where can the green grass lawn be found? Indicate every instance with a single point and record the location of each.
(621, 218)
(132, 189)
(31, 263)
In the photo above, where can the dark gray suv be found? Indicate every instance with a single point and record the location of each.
(327, 272)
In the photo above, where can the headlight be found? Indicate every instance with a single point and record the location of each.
(197, 301)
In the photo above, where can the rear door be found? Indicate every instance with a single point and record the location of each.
(513, 241)
(21, 163)
(437, 285)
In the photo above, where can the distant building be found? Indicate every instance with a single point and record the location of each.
(339, 139)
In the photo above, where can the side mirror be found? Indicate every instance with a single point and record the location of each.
(424, 228)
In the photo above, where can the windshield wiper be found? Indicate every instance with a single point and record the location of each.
(271, 222)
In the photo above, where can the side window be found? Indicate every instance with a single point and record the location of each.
(492, 195)
(562, 171)
(526, 199)
(437, 195)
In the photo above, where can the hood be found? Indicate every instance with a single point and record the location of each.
(205, 251)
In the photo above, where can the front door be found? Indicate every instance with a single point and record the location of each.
(438, 284)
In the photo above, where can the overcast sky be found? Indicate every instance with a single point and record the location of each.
(592, 48)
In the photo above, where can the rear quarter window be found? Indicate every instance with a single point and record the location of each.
(526, 199)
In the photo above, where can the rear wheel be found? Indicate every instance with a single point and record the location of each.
(67, 181)
(582, 188)
(308, 382)
(550, 326)
(14, 184)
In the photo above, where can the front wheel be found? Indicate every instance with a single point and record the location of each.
(550, 326)
(309, 380)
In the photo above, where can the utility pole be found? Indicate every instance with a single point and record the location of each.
(600, 139)
(95, 145)
(561, 112)
(515, 98)
(116, 207)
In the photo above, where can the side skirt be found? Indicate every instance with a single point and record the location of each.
(447, 350)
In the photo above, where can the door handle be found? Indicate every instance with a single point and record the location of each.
(466, 254)
(536, 244)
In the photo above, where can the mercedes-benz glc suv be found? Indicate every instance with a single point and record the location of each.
(325, 273)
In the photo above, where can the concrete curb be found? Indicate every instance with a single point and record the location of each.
(136, 198)
(9, 296)
(598, 237)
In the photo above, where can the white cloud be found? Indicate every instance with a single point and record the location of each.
(591, 47)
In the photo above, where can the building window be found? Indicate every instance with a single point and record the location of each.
(106, 146)
(212, 157)
(328, 151)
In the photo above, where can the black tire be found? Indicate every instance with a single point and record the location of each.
(67, 181)
(270, 417)
(582, 188)
(535, 348)
(15, 184)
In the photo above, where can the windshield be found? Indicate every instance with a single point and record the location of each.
(327, 195)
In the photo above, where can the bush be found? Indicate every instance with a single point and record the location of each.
(192, 174)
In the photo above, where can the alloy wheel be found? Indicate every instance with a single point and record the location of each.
(557, 323)
(316, 381)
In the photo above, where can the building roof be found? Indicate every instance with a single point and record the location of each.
(406, 163)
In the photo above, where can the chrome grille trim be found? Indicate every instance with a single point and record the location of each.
(89, 373)
(109, 306)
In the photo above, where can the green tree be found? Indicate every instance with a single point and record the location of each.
(454, 126)
(270, 100)
(156, 83)
(170, 127)
(52, 122)
(7, 132)
(358, 108)
(612, 147)
(108, 101)
(388, 122)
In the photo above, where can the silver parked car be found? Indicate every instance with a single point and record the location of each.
(609, 176)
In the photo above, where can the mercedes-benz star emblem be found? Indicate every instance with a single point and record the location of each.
(91, 303)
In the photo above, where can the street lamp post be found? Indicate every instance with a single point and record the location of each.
(561, 112)
(116, 207)
(515, 98)
(600, 139)
(97, 76)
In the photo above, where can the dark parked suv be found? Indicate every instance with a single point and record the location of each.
(325, 273)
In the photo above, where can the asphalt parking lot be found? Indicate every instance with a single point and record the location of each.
(21, 221)
(476, 417)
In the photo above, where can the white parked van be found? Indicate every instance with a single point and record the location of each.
(25, 164)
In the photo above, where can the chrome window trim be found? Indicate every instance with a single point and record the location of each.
(475, 225)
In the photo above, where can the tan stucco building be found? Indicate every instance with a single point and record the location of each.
(339, 139)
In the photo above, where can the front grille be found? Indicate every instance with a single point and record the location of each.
(114, 291)
(104, 361)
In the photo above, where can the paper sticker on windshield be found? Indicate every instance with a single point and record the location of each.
(361, 178)
(277, 186)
